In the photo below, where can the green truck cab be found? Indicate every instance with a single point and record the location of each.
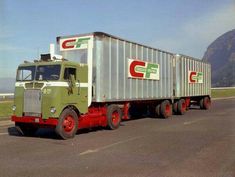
(45, 89)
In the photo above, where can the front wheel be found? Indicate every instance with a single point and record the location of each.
(67, 124)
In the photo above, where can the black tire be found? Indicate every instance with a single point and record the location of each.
(158, 110)
(166, 109)
(181, 107)
(201, 103)
(114, 116)
(68, 124)
(154, 110)
(26, 129)
(205, 103)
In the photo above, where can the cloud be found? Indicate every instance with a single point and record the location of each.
(5, 35)
(194, 36)
(6, 48)
(209, 26)
(12, 48)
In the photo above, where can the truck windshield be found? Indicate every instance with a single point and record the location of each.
(39, 73)
(25, 73)
(48, 72)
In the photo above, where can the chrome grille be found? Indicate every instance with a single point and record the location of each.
(32, 101)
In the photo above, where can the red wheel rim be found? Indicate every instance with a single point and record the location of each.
(68, 123)
(115, 118)
(183, 108)
(207, 103)
(168, 109)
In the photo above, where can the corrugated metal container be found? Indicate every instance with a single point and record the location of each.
(112, 58)
(192, 77)
(110, 74)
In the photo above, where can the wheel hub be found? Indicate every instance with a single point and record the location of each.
(115, 118)
(68, 123)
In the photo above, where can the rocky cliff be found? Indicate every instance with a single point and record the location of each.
(221, 55)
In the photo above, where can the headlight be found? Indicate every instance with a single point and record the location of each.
(53, 110)
(13, 107)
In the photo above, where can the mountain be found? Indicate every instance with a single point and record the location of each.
(221, 55)
(7, 85)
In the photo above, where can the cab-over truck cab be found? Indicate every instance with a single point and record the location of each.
(48, 90)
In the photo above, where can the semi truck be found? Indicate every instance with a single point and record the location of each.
(100, 79)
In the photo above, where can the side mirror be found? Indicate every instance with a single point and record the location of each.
(71, 83)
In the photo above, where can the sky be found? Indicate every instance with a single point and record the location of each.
(187, 27)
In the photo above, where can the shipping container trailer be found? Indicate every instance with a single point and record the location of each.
(192, 82)
(102, 79)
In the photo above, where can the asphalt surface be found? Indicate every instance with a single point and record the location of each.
(198, 144)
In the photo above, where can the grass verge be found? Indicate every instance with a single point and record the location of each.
(5, 109)
(222, 93)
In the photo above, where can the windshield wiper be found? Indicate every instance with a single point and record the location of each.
(27, 77)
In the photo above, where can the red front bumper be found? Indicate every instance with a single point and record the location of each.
(35, 120)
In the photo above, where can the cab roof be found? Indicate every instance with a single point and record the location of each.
(52, 62)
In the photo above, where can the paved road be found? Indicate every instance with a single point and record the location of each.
(198, 144)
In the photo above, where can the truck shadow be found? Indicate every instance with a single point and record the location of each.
(49, 133)
(46, 133)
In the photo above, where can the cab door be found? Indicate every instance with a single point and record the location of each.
(77, 89)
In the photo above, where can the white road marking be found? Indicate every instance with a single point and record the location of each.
(89, 151)
(6, 122)
(192, 122)
(3, 134)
